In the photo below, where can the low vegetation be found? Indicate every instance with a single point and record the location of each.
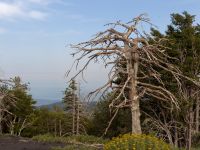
(81, 141)
(137, 142)
(85, 139)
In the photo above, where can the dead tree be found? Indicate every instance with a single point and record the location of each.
(78, 112)
(6, 101)
(125, 43)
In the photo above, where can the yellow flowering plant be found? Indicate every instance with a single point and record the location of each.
(136, 142)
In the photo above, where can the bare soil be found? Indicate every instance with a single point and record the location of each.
(19, 143)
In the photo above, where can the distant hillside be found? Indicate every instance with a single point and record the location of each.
(50, 106)
(89, 106)
(41, 102)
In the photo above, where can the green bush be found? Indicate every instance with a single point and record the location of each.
(136, 142)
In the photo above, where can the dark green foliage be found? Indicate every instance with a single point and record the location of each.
(24, 103)
(182, 38)
(21, 110)
(70, 96)
(55, 122)
(102, 115)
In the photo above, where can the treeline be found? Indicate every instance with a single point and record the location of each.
(20, 116)
(172, 116)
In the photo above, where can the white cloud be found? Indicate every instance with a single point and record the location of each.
(9, 10)
(46, 2)
(14, 10)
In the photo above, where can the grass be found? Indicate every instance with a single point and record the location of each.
(80, 142)
(74, 147)
(70, 139)
(49, 138)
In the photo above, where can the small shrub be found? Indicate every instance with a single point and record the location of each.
(136, 142)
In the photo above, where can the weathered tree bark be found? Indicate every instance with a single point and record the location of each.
(60, 127)
(1, 118)
(55, 128)
(77, 119)
(197, 115)
(190, 122)
(175, 135)
(73, 115)
(12, 126)
(135, 112)
(132, 69)
(22, 127)
(1, 114)
(47, 125)
(78, 112)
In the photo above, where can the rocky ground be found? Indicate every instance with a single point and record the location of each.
(19, 143)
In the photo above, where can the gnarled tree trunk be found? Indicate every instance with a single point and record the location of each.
(132, 69)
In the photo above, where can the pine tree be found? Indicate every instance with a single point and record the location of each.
(23, 109)
(185, 36)
(73, 106)
(183, 39)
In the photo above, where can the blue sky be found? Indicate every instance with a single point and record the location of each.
(35, 34)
